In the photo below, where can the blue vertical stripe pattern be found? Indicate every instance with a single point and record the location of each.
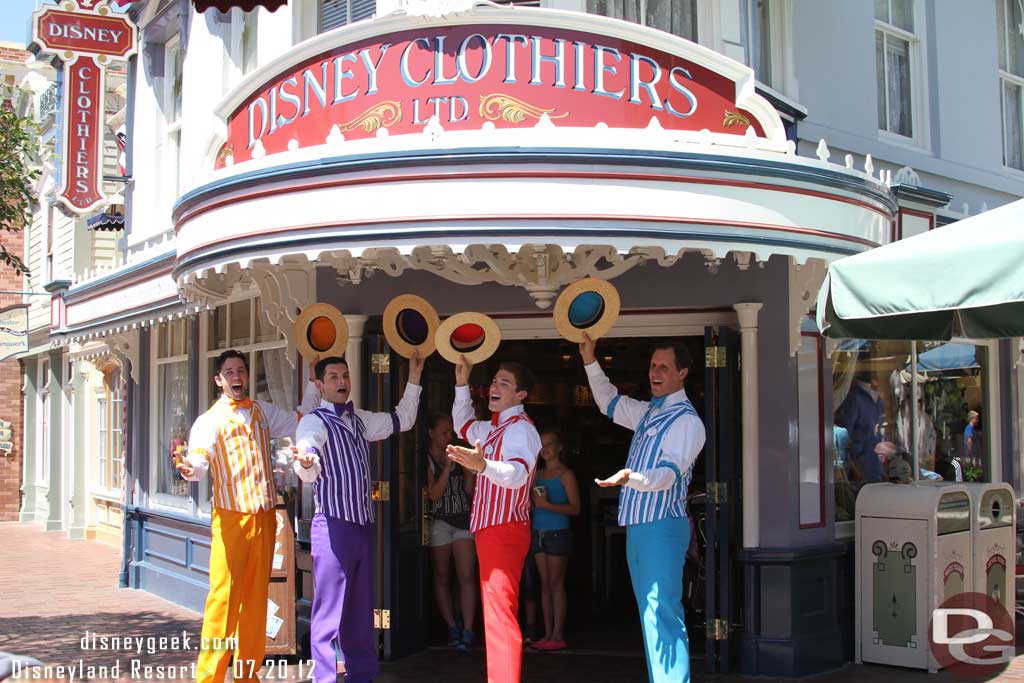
(640, 507)
(343, 488)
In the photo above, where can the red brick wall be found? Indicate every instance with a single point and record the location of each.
(11, 404)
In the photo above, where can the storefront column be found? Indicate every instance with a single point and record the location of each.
(55, 496)
(79, 441)
(747, 313)
(354, 356)
(29, 449)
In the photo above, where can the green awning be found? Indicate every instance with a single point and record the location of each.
(962, 280)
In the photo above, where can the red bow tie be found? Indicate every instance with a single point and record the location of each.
(245, 403)
(495, 419)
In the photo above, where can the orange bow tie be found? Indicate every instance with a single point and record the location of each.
(245, 403)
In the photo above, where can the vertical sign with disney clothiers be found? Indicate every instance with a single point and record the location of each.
(87, 35)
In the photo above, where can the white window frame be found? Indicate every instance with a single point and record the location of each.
(109, 406)
(1005, 76)
(919, 120)
(251, 349)
(304, 19)
(158, 498)
(780, 36)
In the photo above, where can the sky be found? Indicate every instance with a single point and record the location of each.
(14, 20)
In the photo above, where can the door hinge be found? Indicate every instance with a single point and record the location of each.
(380, 491)
(718, 493)
(380, 363)
(382, 619)
(714, 357)
(717, 629)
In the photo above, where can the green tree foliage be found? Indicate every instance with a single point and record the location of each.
(17, 144)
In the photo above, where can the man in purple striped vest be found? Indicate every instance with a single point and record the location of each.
(333, 451)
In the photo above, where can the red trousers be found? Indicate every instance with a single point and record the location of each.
(501, 550)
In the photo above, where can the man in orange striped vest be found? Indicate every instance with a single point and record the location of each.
(504, 453)
(232, 441)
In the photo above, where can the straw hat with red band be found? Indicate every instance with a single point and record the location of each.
(473, 335)
(321, 330)
(588, 305)
(410, 324)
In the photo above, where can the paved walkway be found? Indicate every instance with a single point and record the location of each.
(55, 592)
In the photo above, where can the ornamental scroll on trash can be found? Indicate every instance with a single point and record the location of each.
(913, 552)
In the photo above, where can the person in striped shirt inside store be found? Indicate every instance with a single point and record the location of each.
(334, 452)
(504, 454)
(231, 440)
(667, 437)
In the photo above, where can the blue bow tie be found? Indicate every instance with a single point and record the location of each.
(657, 401)
(342, 408)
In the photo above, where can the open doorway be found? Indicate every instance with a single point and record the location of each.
(602, 614)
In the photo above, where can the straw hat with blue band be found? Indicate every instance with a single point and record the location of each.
(321, 330)
(589, 305)
(410, 324)
(474, 335)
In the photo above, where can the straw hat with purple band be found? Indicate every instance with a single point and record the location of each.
(588, 305)
(321, 330)
(473, 335)
(410, 323)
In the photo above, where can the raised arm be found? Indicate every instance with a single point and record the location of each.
(623, 410)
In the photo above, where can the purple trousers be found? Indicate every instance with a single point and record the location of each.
(343, 595)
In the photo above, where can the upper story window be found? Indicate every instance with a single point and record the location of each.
(678, 17)
(1011, 79)
(335, 13)
(240, 46)
(897, 60)
(169, 93)
(745, 27)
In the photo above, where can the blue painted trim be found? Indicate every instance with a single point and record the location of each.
(611, 406)
(494, 233)
(131, 270)
(362, 163)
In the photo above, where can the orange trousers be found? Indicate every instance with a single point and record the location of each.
(501, 551)
(241, 556)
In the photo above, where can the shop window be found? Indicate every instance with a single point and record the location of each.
(169, 406)
(271, 377)
(678, 17)
(877, 429)
(1010, 45)
(110, 430)
(335, 13)
(811, 437)
(897, 57)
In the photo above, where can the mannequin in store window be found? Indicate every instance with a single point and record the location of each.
(862, 414)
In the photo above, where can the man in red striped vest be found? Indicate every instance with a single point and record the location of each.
(504, 453)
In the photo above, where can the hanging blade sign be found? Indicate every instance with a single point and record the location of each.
(87, 35)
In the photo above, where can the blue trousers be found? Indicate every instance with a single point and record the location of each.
(656, 552)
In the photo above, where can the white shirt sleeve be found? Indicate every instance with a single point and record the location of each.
(464, 419)
(382, 425)
(623, 410)
(282, 422)
(202, 443)
(679, 450)
(310, 435)
(520, 446)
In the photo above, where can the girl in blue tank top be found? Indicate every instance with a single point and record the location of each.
(556, 498)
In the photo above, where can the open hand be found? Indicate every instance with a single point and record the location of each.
(470, 458)
(617, 479)
(184, 467)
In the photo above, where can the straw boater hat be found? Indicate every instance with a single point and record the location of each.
(473, 335)
(410, 323)
(321, 330)
(588, 305)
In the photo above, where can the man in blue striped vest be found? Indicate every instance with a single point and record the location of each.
(667, 437)
(334, 451)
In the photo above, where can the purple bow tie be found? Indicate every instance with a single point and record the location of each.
(342, 408)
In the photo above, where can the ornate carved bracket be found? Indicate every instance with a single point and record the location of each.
(125, 348)
(804, 282)
(285, 289)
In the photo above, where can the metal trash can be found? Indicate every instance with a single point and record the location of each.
(993, 511)
(913, 551)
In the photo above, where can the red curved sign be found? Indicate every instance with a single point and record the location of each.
(467, 76)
